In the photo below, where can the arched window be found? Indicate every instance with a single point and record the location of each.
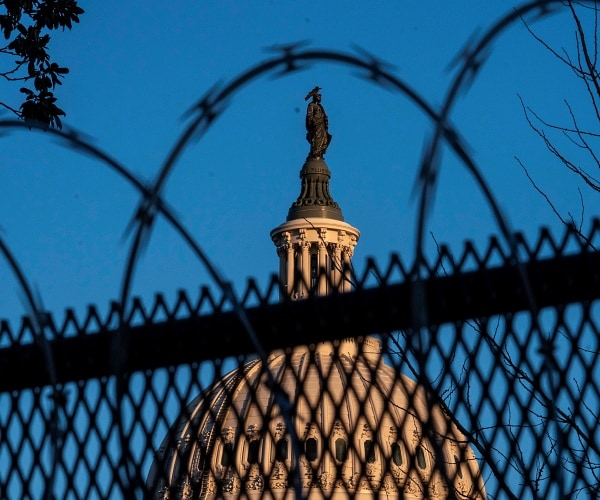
(341, 450)
(253, 451)
(227, 455)
(369, 451)
(421, 457)
(311, 449)
(458, 467)
(281, 450)
(396, 454)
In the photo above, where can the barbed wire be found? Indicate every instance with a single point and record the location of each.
(289, 59)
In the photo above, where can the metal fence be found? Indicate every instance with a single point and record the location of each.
(503, 354)
(466, 376)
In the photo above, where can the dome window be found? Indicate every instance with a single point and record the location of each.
(396, 454)
(253, 451)
(421, 457)
(458, 467)
(341, 450)
(369, 452)
(281, 450)
(227, 455)
(311, 449)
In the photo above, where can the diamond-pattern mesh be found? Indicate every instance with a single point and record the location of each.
(497, 405)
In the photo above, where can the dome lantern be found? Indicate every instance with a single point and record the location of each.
(315, 245)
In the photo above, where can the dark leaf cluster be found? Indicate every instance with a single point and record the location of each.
(26, 26)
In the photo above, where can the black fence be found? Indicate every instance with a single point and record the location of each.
(471, 376)
(490, 363)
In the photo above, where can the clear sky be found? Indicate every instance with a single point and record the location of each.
(136, 67)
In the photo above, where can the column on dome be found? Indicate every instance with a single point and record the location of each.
(290, 269)
(336, 266)
(346, 269)
(305, 260)
(322, 273)
(285, 251)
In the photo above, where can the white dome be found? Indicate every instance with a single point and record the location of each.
(363, 431)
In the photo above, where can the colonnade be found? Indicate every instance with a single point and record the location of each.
(315, 256)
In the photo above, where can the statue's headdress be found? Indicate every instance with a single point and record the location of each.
(312, 93)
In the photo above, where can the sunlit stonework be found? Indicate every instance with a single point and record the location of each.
(362, 431)
(326, 421)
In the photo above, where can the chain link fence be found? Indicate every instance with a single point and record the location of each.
(496, 394)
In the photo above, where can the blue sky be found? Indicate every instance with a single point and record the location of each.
(136, 67)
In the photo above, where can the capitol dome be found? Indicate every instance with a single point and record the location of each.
(363, 431)
(327, 421)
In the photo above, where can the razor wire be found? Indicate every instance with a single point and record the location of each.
(290, 59)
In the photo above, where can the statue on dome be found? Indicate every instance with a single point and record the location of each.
(317, 124)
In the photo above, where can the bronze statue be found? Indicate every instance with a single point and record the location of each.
(317, 124)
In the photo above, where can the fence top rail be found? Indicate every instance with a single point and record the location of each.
(194, 337)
